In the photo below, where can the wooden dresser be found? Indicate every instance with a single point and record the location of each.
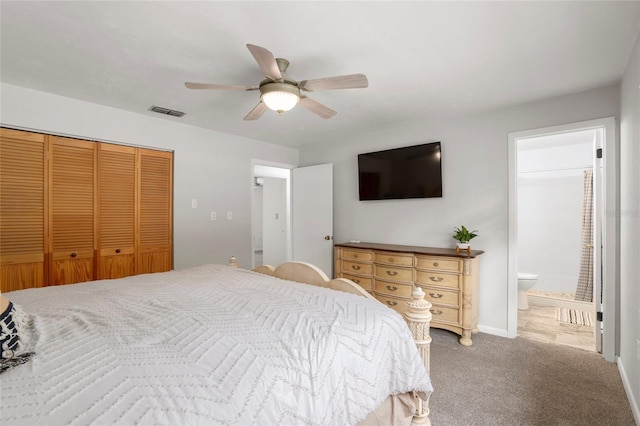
(390, 272)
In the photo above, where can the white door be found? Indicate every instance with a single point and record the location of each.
(274, 241)
(312, 213)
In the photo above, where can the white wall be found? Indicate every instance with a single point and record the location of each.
(550, 196)
(629, 213)
(475, 184)
(212, 167)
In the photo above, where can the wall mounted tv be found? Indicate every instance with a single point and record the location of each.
(408, 172)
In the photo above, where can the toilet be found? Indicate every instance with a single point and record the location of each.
(525, 282)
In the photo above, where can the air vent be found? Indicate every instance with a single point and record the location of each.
(166, 111)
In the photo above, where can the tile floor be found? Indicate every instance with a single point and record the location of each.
(539, 323)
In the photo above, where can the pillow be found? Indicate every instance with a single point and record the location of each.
(13, 335)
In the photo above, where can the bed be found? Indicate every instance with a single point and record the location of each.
(218, 345)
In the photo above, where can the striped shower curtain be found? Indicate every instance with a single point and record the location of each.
(584, 292)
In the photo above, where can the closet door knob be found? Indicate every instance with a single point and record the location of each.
(117, 250)
(74, 254)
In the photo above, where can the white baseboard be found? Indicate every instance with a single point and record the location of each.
(495, 331)
(627, 388)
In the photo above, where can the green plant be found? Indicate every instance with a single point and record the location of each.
(463, 235)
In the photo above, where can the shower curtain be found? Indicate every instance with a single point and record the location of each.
(584, 292)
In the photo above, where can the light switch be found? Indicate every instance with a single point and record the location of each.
(213, 215)
(229, 216)
(194, 203)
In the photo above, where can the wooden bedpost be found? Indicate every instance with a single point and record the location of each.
(418, 318)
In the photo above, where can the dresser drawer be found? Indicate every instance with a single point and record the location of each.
(356, 268)
(445, 314)
(444, 297)
(391, 258)
(359, 255)
(438, 263)
(398, 305)
(430, 279)
(393, 289)
(393, 274)
(364, 282)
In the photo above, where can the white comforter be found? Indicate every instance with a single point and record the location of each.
(211, 345)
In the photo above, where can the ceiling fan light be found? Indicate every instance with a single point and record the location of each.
(280, 101)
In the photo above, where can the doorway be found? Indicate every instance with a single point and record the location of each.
(555, 225)
(271, 214)
(604, 237)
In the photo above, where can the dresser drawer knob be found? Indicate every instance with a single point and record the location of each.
(355, 280)
(391, 303)
(356, 267)
(435, 264)
(434, 312)
(391, 259)
(435, 279)
(74, 254)
(392, 273)
(392, 288)
(117, 250)
(436, 296)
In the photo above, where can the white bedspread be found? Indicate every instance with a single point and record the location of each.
(211, 345)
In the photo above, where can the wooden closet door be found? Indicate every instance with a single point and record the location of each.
(72, 226)
(154, 252)
(116, 211)
(23, 210)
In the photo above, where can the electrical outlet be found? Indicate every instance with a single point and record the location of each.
(213, 215)
(229, 215)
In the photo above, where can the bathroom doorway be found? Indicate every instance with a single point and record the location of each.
(548, 204)
(555, 226)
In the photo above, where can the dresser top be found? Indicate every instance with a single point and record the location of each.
(431, 251)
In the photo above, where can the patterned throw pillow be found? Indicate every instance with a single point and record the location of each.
(13, 329)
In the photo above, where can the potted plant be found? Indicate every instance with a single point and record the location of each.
(463, 236)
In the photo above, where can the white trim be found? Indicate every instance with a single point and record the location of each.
(629, 391)
(494, 331)
(609, 226)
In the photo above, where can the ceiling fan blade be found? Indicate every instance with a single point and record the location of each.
(256, 112)
(218, 86)
(317, 108)
(266, 61)
(352, 81)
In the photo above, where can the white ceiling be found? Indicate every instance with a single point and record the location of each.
(424, 60)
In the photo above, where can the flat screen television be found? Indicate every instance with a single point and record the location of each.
(408, 172)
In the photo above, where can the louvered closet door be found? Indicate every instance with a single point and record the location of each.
(22, 210)
(116, 211)
(71, 230)
(155, 211)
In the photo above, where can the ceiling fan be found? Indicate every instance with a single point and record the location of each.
(280, 92)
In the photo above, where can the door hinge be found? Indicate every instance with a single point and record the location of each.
(599, 316)
(599, 153)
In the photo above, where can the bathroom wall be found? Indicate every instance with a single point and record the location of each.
(550, 193)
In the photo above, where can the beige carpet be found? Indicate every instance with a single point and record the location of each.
(501, 381)
(574, 316)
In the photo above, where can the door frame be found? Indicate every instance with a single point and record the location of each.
(609, 227)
